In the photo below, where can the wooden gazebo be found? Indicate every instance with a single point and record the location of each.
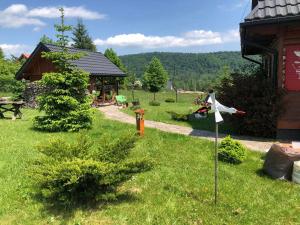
(272, 30)
(104, 75)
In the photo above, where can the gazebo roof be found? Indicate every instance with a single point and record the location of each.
(94, 63)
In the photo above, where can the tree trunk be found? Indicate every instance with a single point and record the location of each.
(132, 93)
(176, 95)
(154, 96)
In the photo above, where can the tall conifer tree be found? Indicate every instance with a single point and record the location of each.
(81, 38)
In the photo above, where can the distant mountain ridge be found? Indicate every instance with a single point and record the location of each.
(186, 64)
(190, 71)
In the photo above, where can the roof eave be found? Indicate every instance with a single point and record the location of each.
(275, 20)
(108, 75)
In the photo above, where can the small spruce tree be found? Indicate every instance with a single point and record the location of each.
(65, 103)
(155, 77)
(81, 38)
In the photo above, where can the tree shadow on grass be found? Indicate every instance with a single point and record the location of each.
(67, 212)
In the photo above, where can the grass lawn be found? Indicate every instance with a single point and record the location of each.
(184, 105)
(179, 190)
(5, 94)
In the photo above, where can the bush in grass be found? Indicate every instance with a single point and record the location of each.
(255, 94)
(178, 116)
(170, 100)
(231, 151)
(68, 174)
(135, 107)
(136, 102)
(154, 103)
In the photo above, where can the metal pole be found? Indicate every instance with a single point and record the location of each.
(216, 164)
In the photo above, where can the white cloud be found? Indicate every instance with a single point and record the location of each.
(231, 36)
(15, 16)
(52, 12)
(18, 15)
(188, 39)
(14, 49)
(16, 9)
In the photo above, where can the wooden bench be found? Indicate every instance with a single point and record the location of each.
(11, 106)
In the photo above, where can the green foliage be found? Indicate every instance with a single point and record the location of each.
(46, 40)
(179, 116)
(135, 107)
(131, 83)
(65, 103)
(254, 94)
(155, 77)
(135, 104)
(188, 71)
(1, 54)
(231, 151)
(170, 100)
(154, 103)
(74, 173)
(113, 57)
(81, 38)
(8, 83)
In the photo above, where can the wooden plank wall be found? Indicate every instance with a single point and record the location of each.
(290, 118)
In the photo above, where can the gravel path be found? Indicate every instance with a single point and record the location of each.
(112, 112)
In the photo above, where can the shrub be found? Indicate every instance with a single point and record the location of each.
(231, 151)
(135, 102)
(135, 107)
(67, 174)
(170, 100)
(178, 116)
(154, 103)
(254, 94)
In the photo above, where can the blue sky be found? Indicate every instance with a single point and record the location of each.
(128, 26)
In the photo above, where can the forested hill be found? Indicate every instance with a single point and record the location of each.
(187, 64)
(190, 71)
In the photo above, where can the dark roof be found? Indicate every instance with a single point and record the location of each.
(94, 63)
(270, 9)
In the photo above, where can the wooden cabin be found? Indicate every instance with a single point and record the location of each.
(272, 30)
(104, 75)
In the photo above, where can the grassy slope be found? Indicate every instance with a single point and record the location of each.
(5, 94)
(185, 105)
(179, 190)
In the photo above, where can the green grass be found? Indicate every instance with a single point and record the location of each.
(185, 105)
(5, 94)
(179, 190)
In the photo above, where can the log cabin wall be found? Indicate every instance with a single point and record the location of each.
(288, 124)
(37, 67)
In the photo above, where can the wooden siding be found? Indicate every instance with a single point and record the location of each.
(37, 67)
(290, 118)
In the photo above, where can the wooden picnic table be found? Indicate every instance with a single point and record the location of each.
(11, 106)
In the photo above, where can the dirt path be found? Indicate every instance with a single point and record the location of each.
(113, 113)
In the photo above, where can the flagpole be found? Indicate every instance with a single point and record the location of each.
(216, 163)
